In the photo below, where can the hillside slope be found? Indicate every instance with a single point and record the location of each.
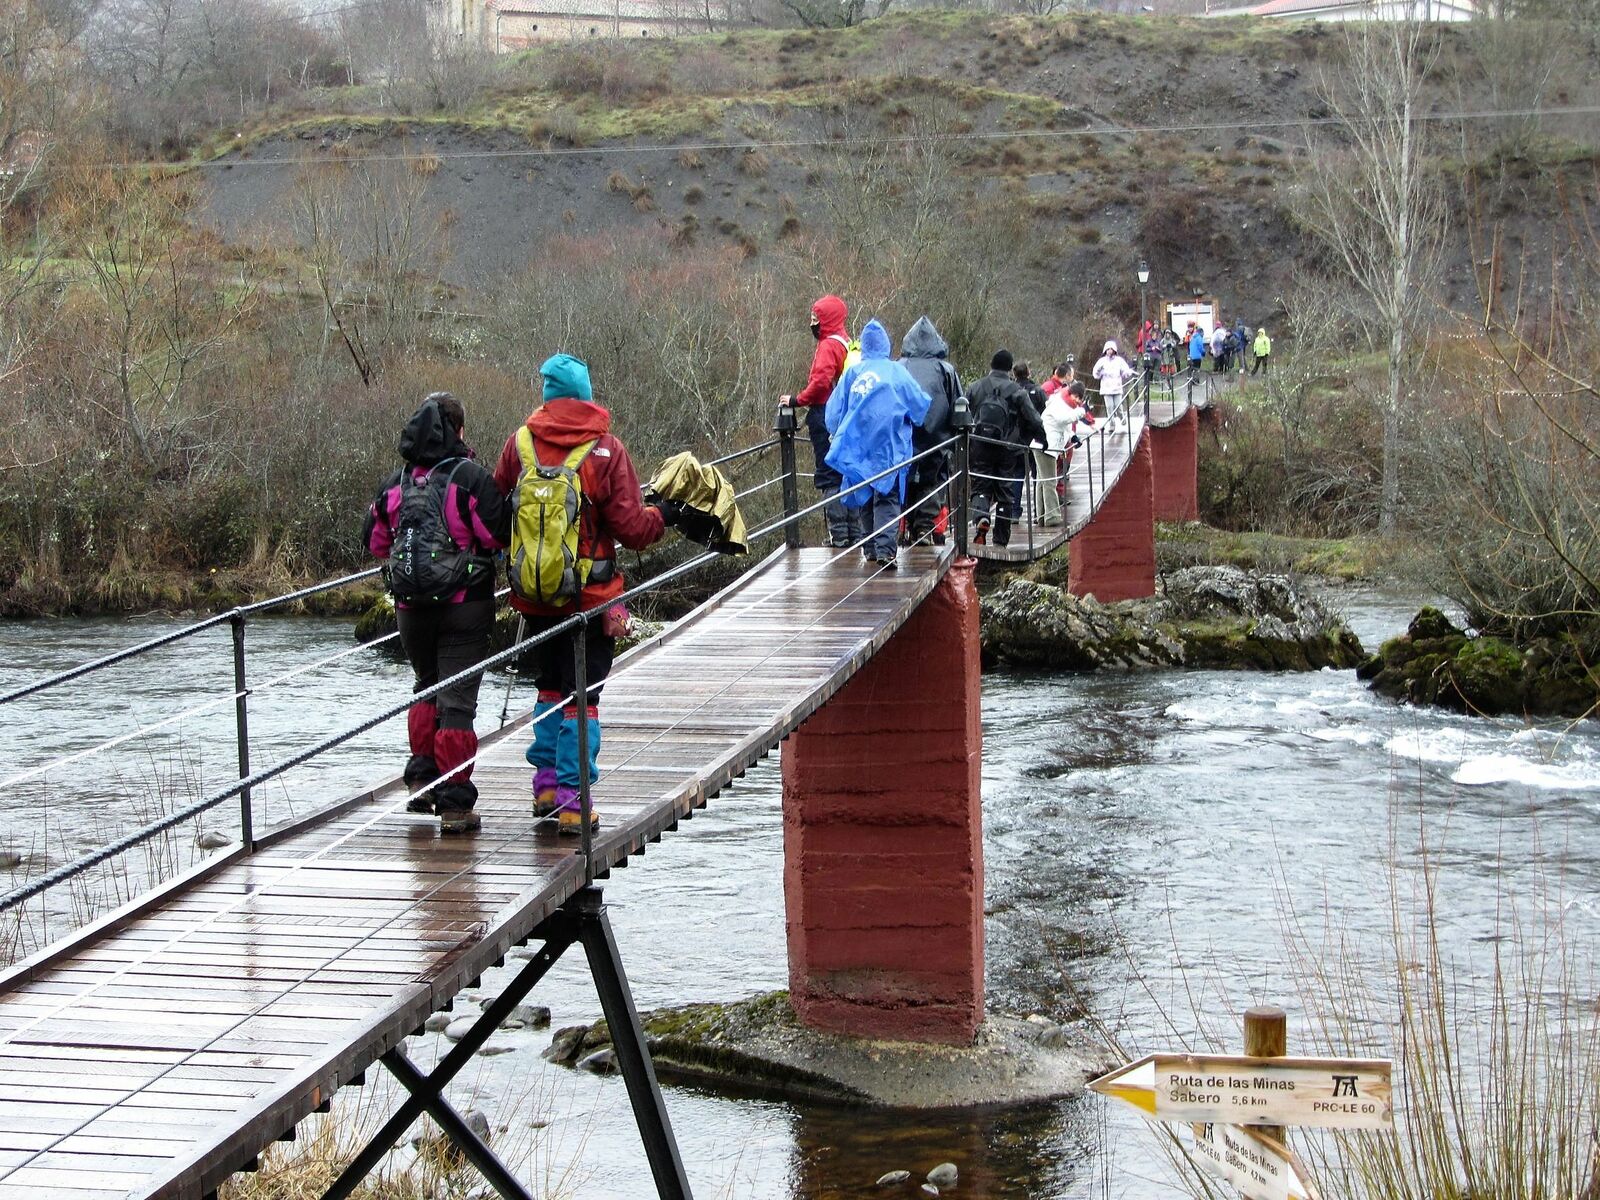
(1113, 138)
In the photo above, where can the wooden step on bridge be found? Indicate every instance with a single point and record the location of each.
(158, 1051)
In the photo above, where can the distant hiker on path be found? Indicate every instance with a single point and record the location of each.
(1113, 373)
(1263, 349)
(564, 463)
(871, 414)
(438, 521)
(1197, 349)
(828, 316)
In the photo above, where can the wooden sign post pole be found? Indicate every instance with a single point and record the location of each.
(1266, 1035)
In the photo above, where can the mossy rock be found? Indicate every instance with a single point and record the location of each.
(1431, 623)
(1435, 662)
(378, 621)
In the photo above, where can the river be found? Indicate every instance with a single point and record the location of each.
(1155, 844)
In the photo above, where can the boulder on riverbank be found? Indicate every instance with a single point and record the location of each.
(1437, 662)
(759, 1044)
(1216, 617)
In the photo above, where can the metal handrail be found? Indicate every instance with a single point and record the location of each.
(250, 779)
(769, 444)
(166, 639)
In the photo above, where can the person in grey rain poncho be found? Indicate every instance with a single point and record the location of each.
(871, 414)
(922, 353)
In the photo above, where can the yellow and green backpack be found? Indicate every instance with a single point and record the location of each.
(545, 567)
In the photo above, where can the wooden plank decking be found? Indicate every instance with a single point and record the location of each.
(158, 1051)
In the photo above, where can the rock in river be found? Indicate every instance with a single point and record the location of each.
(1436, 662)
(1217, 617)
(944, 1175)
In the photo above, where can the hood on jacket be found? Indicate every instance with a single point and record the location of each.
(874, 340)
(1109, 348)
(831, 314)
(569, 422)
(429, 438)
(923, 340)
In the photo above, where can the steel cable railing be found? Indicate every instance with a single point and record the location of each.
(250, 779)
(236, 618)
(176, 635)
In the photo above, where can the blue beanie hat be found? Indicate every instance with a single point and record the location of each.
(564, 376)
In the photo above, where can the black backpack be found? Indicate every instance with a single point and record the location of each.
(425, 564)
(993, 418)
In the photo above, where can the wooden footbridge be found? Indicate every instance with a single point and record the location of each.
(159, 1050)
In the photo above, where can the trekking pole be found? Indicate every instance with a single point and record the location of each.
(511, 672)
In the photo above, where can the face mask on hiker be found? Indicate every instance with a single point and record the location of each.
(816, 327)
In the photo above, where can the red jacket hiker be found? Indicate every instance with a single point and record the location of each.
(827, 364)
(613, 509)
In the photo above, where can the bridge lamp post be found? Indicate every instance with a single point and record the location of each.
(1144, 279)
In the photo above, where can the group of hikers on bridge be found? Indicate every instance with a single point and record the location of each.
(563, 495)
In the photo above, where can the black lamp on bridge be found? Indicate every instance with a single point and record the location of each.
(1144, 279)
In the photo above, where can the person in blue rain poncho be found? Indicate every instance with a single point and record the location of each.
(870, 416)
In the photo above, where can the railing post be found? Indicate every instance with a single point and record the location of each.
(1088, 468)
(785, 427)
(241, 728)
(961, 477)
(580, 695)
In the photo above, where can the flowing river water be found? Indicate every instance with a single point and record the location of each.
(1155, 846)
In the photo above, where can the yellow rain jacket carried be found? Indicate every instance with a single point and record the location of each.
(715, 521)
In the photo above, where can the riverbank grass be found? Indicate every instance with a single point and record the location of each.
(1348, 560)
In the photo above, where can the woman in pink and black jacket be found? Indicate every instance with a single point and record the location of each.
(445, 633)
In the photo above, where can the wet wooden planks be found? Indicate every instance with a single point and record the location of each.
(158, 1051)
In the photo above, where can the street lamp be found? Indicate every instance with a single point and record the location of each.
(1144, 278)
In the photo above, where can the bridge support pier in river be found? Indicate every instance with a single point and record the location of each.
(1175, 461)
(1114, 558)
(882, 836)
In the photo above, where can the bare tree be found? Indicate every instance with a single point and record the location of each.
(160, 318)
(374, 248)
(1371, 198)
(834, 14)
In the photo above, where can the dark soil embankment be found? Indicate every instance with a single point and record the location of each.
(1117, 137)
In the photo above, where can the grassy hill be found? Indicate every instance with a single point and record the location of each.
(1105, 138)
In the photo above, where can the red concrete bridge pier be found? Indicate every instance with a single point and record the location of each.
(1175, 461)
(883, 837)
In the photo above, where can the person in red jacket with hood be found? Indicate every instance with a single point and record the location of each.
(828, 316)
(613, 511)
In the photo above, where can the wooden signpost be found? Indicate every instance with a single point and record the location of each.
(1259, 1167)
(1222, 1094)
(1329, 1093)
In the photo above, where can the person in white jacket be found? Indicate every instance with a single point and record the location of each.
(1113, 372)
(1065, 421)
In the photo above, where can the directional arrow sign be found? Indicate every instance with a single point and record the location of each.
(1260, 1168)
(1332, 1093)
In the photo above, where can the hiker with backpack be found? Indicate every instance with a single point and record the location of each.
(1004, 423)
(922, 352)
(574, 496)
(828, 316)
(438, 520)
